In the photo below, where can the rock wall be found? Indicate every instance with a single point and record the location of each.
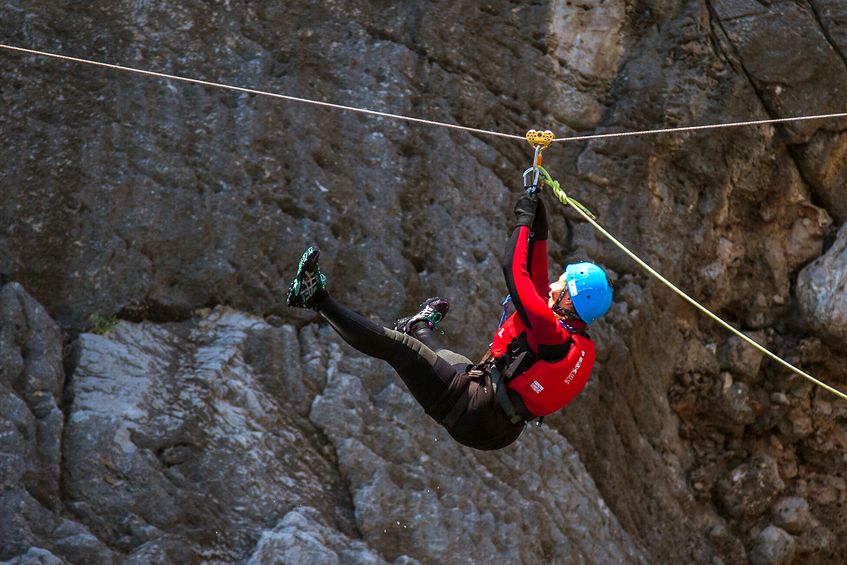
(162, 405)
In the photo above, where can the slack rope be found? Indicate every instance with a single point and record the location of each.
(590, 218)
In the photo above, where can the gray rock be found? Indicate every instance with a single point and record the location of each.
(805, 241)
(35, 556)
(152, 198)
(820, 290)
(735, 402)
(792, 514)
(172, 426)
(586, 37)
(822, 158)
(32, 528)
(822, 162)
(816, 543)
(161, 550)
(796, 424)
(302, 537)
(773, 546)
(791, 70)
(832, 15)
(31, 384)
(742, 359)
(749, 489)
(727, 544)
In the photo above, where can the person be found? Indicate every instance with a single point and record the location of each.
(539, 359)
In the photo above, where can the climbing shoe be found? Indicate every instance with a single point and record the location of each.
(431, 311)
(308, 281)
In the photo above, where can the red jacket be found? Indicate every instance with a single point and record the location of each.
(563, 355)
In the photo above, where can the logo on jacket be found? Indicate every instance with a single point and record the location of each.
(576, 367)
(536, 386)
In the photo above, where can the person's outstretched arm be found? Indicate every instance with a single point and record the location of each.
(538, 250)
(529, 304)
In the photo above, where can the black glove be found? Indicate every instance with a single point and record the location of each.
(539, 225)
(525, 209)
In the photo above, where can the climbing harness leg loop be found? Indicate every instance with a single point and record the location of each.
(501, 393)
(503, 370)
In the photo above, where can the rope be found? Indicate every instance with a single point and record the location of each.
(697, 128)
(259, 92)
(557, 190)
(583, 211)
(408, 118)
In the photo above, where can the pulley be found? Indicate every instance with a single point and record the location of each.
(540, 140)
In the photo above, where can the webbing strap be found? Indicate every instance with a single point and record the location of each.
(501, 393)
(458, 409)
(505, 305)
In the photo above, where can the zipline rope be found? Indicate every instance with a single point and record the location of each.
(260, 92)
(417, 120)
(699, 128)
(560, 194)
(585, 213)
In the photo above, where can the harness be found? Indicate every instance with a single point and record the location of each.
(503, 369)
(499, 371)
(519, 375)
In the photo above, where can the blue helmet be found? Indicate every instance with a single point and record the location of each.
(590, 291)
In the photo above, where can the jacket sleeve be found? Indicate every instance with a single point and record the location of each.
(529, 304)
(538, 250)
(538, 267)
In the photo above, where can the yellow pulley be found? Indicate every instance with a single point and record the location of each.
(539, 140)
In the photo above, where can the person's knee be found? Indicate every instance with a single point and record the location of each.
(453, 358)
(408, 345)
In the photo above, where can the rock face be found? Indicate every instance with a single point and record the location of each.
(820, 290)
(186, 442)
(31, 431)
(772, 547)
(750, 488)
(161, 405)
(173, 430)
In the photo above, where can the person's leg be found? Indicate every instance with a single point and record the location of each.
(426, 375)
(422, 331)
(431, 380)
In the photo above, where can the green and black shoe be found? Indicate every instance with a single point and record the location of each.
(308, 281)
(431, 311)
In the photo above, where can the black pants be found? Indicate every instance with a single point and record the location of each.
(436, 377)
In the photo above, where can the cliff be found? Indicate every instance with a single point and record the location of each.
(160, 404)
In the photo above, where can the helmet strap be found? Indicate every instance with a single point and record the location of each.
(562, 312)
(557, 307)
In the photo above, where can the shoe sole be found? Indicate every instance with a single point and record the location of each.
(429, 301)
(305, 282)
(400, 325)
